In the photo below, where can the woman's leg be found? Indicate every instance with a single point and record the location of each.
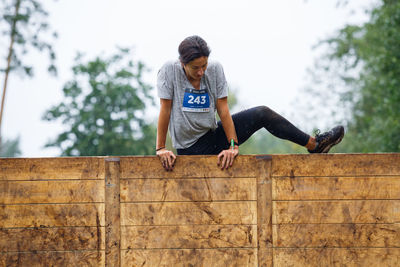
(247, 122)
(251, 120)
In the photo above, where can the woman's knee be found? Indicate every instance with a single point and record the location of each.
(264, 112)
(263, 109)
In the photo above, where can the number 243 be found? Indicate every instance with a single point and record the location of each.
(199, 100)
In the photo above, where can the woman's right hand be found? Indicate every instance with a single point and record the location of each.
(167, 158)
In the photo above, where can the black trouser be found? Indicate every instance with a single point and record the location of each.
(247, 122)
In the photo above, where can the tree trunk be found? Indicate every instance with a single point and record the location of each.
(13, 30)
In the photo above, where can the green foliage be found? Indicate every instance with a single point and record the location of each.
(264, 143)
(232, 98)
(104, 109)
(365, 61)
(23, 23)
(28, 28)
(10, 148)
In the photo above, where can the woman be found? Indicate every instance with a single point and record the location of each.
(192, 90)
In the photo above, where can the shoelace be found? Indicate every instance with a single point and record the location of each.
(317, 132)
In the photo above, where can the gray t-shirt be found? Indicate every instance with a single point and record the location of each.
(193, 111)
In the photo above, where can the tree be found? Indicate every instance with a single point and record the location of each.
(10, 148)
(362, 66)
(24, 22)
(104, 109)
(264, 143)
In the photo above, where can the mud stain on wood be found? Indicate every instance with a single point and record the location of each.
(98, 235)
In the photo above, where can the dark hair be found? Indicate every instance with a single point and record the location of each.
(191, 48)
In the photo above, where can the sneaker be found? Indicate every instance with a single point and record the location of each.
(328, 139)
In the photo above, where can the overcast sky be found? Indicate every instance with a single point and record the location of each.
(264, 46)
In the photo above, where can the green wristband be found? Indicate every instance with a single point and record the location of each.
(233, 143)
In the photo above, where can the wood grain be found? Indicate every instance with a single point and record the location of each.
(337, 235)
(349, 257)
(183, 213)
(45, 215)
(52, 258)
(51, 239)
(188, 189)
(112, 213)
(189, 236)
(336, 165)
(314, 188)
(51, 168)
(190, 257)
(346, 211)
(186, 167)
(280, 210)
(264, 213)
(76, 191)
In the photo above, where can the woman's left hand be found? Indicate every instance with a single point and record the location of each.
(226, 157)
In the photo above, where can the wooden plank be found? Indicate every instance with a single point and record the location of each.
(190, 257)
(76, 191)
(186, 166)
(264, 212)
(349, 257)
(336, 165)
(177, 213)
(50, 258)
(206, 189)
(112, 212)
(189, 236)
(337, 235)
(357, 211)
(39, 215)
(51, 168)
(314, 188)
(51, 239)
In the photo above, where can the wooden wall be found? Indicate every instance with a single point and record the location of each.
(336, 210)
(280, 210)
(52, 212)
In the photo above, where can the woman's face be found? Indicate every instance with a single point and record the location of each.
(195, 69)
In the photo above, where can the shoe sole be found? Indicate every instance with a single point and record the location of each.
(326, 150)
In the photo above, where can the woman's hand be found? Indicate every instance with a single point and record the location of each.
(226, 157)
(167, 158)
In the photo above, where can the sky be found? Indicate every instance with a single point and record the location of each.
(264, 46)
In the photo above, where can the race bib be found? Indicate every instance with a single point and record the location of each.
(196, 100)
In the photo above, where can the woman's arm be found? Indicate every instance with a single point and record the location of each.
(167, 157)
(226, 157)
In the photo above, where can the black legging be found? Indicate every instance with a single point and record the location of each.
(247, 122)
